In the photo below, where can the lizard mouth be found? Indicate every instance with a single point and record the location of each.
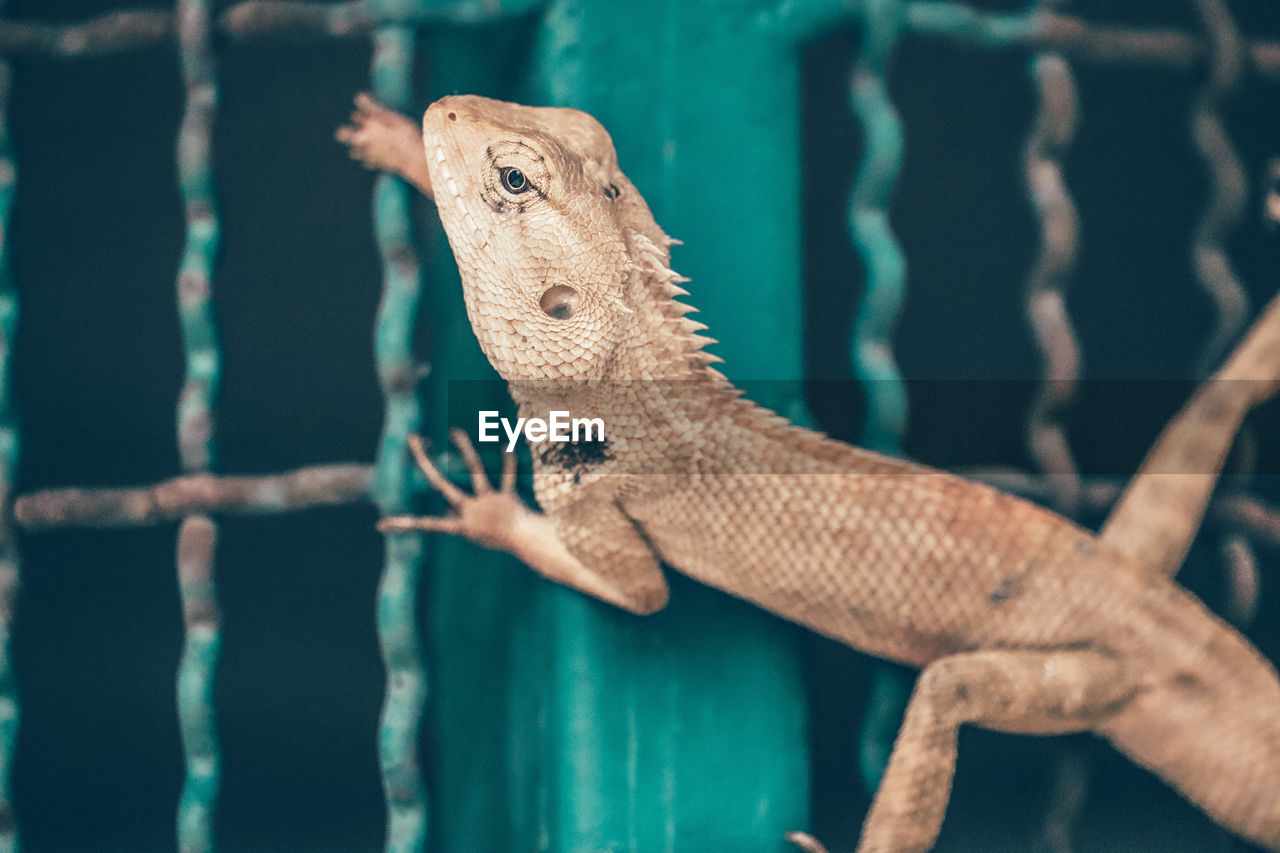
(434, 134)
(438, 162)
(449, 193)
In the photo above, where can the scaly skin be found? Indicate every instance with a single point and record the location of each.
(1020, 620)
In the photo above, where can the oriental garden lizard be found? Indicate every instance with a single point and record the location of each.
(1020, 620)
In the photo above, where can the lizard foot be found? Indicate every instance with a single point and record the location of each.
(488, 517)
(806, 842)
(385, 140)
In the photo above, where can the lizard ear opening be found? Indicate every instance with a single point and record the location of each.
(559, 302)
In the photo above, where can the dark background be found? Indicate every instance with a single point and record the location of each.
(96, 237)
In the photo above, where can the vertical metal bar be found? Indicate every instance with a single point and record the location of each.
(9, 446)
(1223, 211)
(397, 593)
(198, 533)
(873, 324)
(877, 313)
(1050, 276)
(1226, 200)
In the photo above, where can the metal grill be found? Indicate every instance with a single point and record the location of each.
(1052, 39)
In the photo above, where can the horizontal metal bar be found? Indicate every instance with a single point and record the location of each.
(265, 17)
(112, 33)
(319, 485)
(1238, 510)
(1250, 515)
(1080, 40)
(330, 485)
(120, 31)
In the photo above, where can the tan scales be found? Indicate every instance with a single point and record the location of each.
(1021, 620)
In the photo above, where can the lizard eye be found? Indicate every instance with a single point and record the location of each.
(513, 180)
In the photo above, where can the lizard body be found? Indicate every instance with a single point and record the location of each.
(1021, 620)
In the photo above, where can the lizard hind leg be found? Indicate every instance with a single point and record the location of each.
(1215, 738)
(1156, 518)
(1023, 691)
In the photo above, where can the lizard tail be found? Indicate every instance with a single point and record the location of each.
(1256, 362)
(1160, 511)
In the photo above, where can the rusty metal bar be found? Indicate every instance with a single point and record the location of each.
(336, 485)
(398, 624)
(198, 534)
(1050, 275)
(318, 485)
(1223, 211)
(121, 31)
(113, 33)
(1225, 203)
(1246, 513)
(116, 32)
(1051, 135)
(1077, 39)
(1241, 511)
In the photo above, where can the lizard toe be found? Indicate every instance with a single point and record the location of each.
(806, 842)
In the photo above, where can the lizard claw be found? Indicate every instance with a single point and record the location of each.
(384, 140)
(806, 842)
(375, 135)
(486, 516)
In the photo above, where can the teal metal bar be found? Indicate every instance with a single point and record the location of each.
(198, 533)
(397, 593)
(873, 325)
(9, 446)
(964, 23)
(884, 285)
(687, 730)
(564, 724)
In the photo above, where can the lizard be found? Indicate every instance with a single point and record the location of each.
(1019, 619)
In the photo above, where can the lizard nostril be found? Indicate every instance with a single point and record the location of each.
(453, 116)
(559, 302)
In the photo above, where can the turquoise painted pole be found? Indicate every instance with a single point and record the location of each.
(563, 724)
(687, 730)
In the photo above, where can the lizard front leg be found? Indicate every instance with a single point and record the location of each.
(590, 546)
(385, 140)
(1010, 690)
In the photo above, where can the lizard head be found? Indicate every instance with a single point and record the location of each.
(542, 225)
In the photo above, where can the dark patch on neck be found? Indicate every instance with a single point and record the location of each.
(576, 457)
(1006, 590)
